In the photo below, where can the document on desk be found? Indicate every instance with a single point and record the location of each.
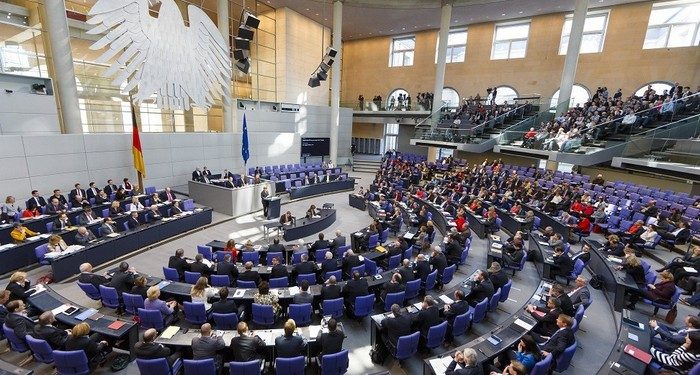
(543, 243)
(60, 309)
(690, 270)
(527, 326)
(446, 299)
(9, 246)
(170, 332)
(112, 235)
(497, 245)
(239, 293)
(418, 305)
(293, 290)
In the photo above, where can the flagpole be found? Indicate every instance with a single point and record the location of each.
(139, 176)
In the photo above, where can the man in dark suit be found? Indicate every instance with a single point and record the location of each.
(17, 320)
(61, 223)
(497, 276)
(92, 191)
(249, 274)
(87, 277)
(406, 272)
(483, 288)
(226, 267)
(562, 262)
(562, 338)
(667, 338)
(276, 246)
(580, 295)
(421, 268)
(330, 289)
(133, 221)
(148, 349)
(329, 264)
(439, 262)
(565, 303)
(179, 263)
(36, 201)
(290, 345)
(395, 326)
(354, 288)
(153, 214)
(305, 267)
(199, 266)
(167, 195)
(265, 202)
(84, 236)
(393, 286)
(246, 346)
(349, 261)
(330, 342)
(55, 206)
(428, 316)
(46, 331)
(123, 278)
(451, 311)
(87, 216)
(338, 241)
(546, 317)
(224, 305)
(197, 175)
(303, 296)
(77, 196)
(278, 270)
(61, 199)
(321, 243)
(110, 188)
(453, 249)
(584, 254)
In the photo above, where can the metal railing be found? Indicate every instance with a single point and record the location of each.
(678, 143)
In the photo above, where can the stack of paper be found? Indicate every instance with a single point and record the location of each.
(170, 332)
(527, 326)
(60, 309)
(239, 293)
(293, 290)
(446, 299)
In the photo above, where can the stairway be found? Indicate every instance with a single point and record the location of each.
(366, 163)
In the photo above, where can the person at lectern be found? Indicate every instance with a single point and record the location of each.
(265, 203)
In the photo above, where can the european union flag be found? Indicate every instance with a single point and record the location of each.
(244, 146)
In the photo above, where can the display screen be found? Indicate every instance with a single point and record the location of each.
(315, 146)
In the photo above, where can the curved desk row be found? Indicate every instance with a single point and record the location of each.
(305, 227)
(320, 188)
(547, 220)
(441, 219)
(105, 249)
(630, 333)
(615, 282)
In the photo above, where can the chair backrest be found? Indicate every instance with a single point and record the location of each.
(363, 305)
(407, 253)
(505, 291)
(695, 370)
(436, 335)
(49, 225)
(650, 277)
(75, 362)
(542, 367)
(270, 256)
(430, 280)
(150, 319)
(40, 349)
(205, 251)
(335, 364)
(407, 346)
(392, 298)
(373, 241)
(90, 290)
(480, 310)
(40, 252)
(109, 295)
(384, 236)
(126, 226)
(320, 254)
(412, 288)
(296, 257)
(564, 360)
(251, 256)
(448, 273)
(199, 366)
(578, 268)
(195, 312)
(263, 314)
(245, 368)
(279, 282)
(394, 261)
(290, 366)
(16, 344)
(246, 284)
(360, 269)
(132, 302)
(171, 274)
(301, 313)
(225, 321)
(461, 323)
(192, 277)
(370, 267)
(495, 298)
(580, 310)
(310, 277)
(220, 280)
(333, 307)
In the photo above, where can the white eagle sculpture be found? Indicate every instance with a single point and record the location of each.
(181, 65)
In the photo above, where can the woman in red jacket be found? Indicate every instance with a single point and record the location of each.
(661, 292)
(231, 247)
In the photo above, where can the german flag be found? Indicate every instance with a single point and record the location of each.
(139, 165)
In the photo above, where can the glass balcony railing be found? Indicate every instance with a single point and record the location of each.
(678, 144)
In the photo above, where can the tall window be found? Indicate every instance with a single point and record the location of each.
(397, 100)
(402, 50)
(505, 94)
(391, 137)
(579, 96)
(674, 24)
(456, 46)
(593, 32)
(510, 40)
(450, 97)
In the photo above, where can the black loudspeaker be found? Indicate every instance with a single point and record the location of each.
(240, 43)
(245, 33)
(243, 65)
(328, 60)
(251, 21)
(322, 76)
(331, 52)
(240, 54)
(314, 81)
(324, 67)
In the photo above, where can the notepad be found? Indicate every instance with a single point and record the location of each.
(112, 235)
(521, 323)
(163, 284)
(117, 324)
(497, 245)
(239, 293)
(85, 314)
(446, 299)
(293, 290)
(690, 270)
(632, 336)
(638, 353)
(418, 305)
(170, 332)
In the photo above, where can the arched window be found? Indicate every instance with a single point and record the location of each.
(393, 102)
(450, 97)
(658, 86)
(579, 96)
(505, 94)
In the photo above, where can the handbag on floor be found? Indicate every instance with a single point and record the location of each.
(671, 315)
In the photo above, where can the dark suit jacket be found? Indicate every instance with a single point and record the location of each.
(470, 370)
(289, 346)
(547, 324)
(122, 281)
(150, 350)
(498, 279)
(132, 223)
(74, 193)
(406, 274)
(585, 257)
(559, 341)
(52, 210)
(91, 278)
(427, 318)
(355, 288)
(304, 268)
(330, 292)
(329, 265)
(18, 292)
(224, 307)
(457, 308)
(92, 194)
(422, 269)
(54, 336)
(480, 291)
(338, 242)
(320, 244)
(247, 348)
(391, 288)
(32, 203)
(278, 271)
(566, 305)
(180, 264)
(20, 324)
(396, 327)
(110, 189)
(349, 262)
(331, 342)
(276, 248)
(564, 263)
(250, 276)
(201, 268)
(84, 343)
(61, 199)
(439, 262)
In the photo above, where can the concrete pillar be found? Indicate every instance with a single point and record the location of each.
(568, 75)
(432, 154)
(222, 12)
(445, 17)
(62, 61)
(335, 77)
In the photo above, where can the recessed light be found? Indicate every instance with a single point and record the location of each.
(503, 14)
(521, 12)
(403, 28)
(317, 14)
(307, 8)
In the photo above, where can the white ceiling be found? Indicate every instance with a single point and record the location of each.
(370, 18)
